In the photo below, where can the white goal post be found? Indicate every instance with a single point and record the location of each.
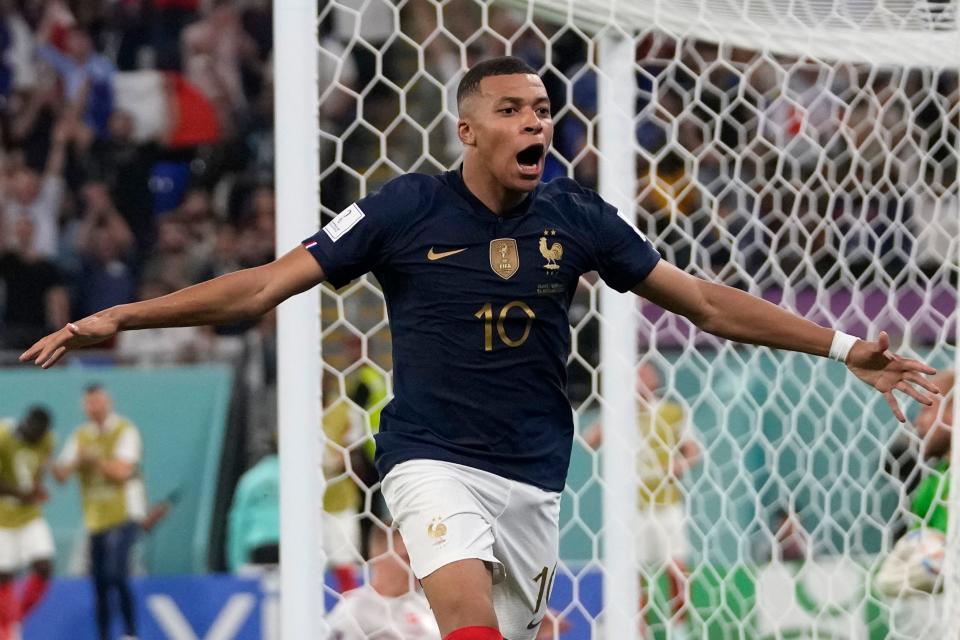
(805, 150)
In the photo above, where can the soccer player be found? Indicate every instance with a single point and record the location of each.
(105, 453)
(390, 606)
(25, 538)
(478, 266)
(667, 451)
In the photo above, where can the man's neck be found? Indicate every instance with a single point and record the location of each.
(488, 191)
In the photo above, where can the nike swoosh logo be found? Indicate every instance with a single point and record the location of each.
(433, 255)
(535, 623)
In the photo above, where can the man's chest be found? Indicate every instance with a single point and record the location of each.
(499, 259)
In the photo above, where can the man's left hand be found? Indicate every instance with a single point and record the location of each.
(875, 364)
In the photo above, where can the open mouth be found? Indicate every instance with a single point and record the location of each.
(529, 159)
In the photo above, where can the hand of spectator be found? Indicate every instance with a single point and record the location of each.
(91, 330)
(885, 371)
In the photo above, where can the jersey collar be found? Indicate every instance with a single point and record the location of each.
(456, 179)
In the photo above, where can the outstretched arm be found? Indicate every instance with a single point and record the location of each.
(737, 315)
(236, 296)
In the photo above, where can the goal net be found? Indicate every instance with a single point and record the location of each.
(802, 150)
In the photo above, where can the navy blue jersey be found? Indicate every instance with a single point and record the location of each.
(478, 312)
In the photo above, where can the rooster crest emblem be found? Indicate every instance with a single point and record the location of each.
(437, 530)
(552, 252)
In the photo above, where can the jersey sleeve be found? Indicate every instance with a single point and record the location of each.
(623, 255)
(359, 238)
(70, 451)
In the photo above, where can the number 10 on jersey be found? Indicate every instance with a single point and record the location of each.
(486, 314)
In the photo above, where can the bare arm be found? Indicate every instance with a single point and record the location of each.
(236, 296)
(737, 315)
(731, 313)
(62, 472)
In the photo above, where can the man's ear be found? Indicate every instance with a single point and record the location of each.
(466, 133)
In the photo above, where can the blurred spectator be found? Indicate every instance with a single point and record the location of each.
(25, 537)
(39, 198)
(166, 346)
(668, 450)
(105, 452)
(87, 76)
(36, 299)
(391, 605)
(17, 71)
(175, 260)
(253, 527)
(199, 221)
(342, 500)
(215, 49)
(104, 245)
(126, 165)
(167, 21)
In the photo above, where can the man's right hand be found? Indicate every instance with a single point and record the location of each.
(241, 295)
(83, 333)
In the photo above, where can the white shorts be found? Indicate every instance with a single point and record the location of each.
(661, 535)
(448, 512)
(24, 545)
(341, 538)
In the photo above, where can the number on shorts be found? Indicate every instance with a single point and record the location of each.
(545, 578)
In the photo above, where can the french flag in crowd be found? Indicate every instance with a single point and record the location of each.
(166, 108)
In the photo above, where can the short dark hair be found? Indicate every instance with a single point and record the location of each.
(502, 66)
(38, 417)
(93, 387)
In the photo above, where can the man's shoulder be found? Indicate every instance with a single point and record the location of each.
(399, 198)
(123, 422)
(412, 185)
(568, 193)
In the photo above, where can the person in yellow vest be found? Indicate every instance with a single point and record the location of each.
(367, 387)
(344, 430)
(105, 454)
(25, 538)
(667, 451)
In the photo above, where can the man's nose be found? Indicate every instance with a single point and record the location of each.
(531, 121)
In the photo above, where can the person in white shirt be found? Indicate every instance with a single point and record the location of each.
(390, 606)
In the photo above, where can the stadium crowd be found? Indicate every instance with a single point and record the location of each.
(137, 144)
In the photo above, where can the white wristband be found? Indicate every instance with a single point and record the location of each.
(841, 345)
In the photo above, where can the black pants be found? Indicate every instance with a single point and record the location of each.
(110, 570)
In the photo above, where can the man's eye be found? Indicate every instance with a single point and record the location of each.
(544, 111)
(507, 110)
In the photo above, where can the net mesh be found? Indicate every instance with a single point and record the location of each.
(821, 175)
